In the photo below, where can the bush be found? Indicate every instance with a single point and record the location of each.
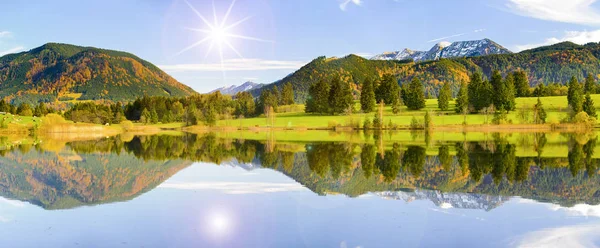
(584, 119)
(414, 124)
(367, 124)
(53, 119)
(353, 122)
(377, 122)
(332, 124)
(127, 125)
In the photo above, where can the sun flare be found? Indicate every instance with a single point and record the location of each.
(218, 32)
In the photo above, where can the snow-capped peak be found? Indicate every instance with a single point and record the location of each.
(446, 49)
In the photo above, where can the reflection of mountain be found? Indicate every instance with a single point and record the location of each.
(106, 170)
(67, 180)
(448, 200)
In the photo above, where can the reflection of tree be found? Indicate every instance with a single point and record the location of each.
(367, 159)
(590, 164)
(445, 159)
(414, 160)
(389, 163)
(576, 158)
(462, 156)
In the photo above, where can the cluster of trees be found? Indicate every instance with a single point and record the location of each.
(576, 99)
(389, 92)
(24, 109)
(90, 112)
(481, 94)
(334, 97)
(271, 99)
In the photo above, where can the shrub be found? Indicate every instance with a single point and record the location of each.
(53, 119)
(353, 122)
(584, 119)
(332, 124)
(367, 123)
(377, 122)
(414, 124)
(127, 125)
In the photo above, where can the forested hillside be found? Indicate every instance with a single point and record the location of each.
(550, 64)
(67, 72)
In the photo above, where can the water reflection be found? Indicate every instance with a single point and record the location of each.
(121, 168)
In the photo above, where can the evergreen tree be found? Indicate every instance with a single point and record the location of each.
(388, 90)
(367, 96)
(145, 116)
(276, 94)
(4, 106)
(267, 99)
(245, 105)
(340, 96)
(521, 84)
(575, 95)
(479, 92)
(415, 96)
(539, 113)
(590, 85)
(209, 115)
(153, 116)
(588, 106)
(24, 110)
(287, 94)
(462, 99)
(318, 98)
(503, 95)
(444, 97)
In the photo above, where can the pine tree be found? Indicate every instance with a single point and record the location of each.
(590, 85)
(521, 84)
(503, 91)
(318, 98)
(462, 99)
(267, 99)
(367, 96)
(444, 97)
(153, 117)
(588, 106)
(340, 96)
(388, 89)
(287, 94)
(415, 96)
(575, 95)
(145, 116)
(479, 92)
(539, 113)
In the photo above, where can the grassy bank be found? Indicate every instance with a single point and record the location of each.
(556, 108)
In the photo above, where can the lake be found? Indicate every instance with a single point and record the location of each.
(282, 190)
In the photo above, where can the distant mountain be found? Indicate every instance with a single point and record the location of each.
(447, 50)
(448, 199)
(61, 71)
(549, 64)
(234, 89)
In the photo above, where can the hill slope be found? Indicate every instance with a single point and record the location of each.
(56, 70)
(556, 63)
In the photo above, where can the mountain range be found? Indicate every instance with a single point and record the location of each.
(445, 50)
(61, 71)
(549, 64)
(234, 89)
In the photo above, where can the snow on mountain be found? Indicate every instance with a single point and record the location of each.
(447, 199)
(447, 50)
(234, 89)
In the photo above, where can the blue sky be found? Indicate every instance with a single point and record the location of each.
(280, 36)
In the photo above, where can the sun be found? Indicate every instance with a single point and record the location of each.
(218, 32)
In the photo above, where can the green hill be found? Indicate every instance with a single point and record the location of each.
(58, 71)
(549, 64)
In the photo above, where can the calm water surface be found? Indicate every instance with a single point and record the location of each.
(205, 191)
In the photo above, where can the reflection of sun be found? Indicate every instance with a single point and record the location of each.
(218, 223)
(218, 32)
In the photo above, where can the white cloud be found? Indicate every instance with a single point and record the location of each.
(478, 30)
(568, 11)
(569, 236)
(345, 3)
(236, 65)
(5, 34)
(237, 187)
(579, 37)
(12, 50)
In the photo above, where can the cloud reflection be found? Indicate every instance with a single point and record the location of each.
(569, 236)
(236, 187)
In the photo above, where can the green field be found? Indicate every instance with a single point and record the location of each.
(556, 108)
